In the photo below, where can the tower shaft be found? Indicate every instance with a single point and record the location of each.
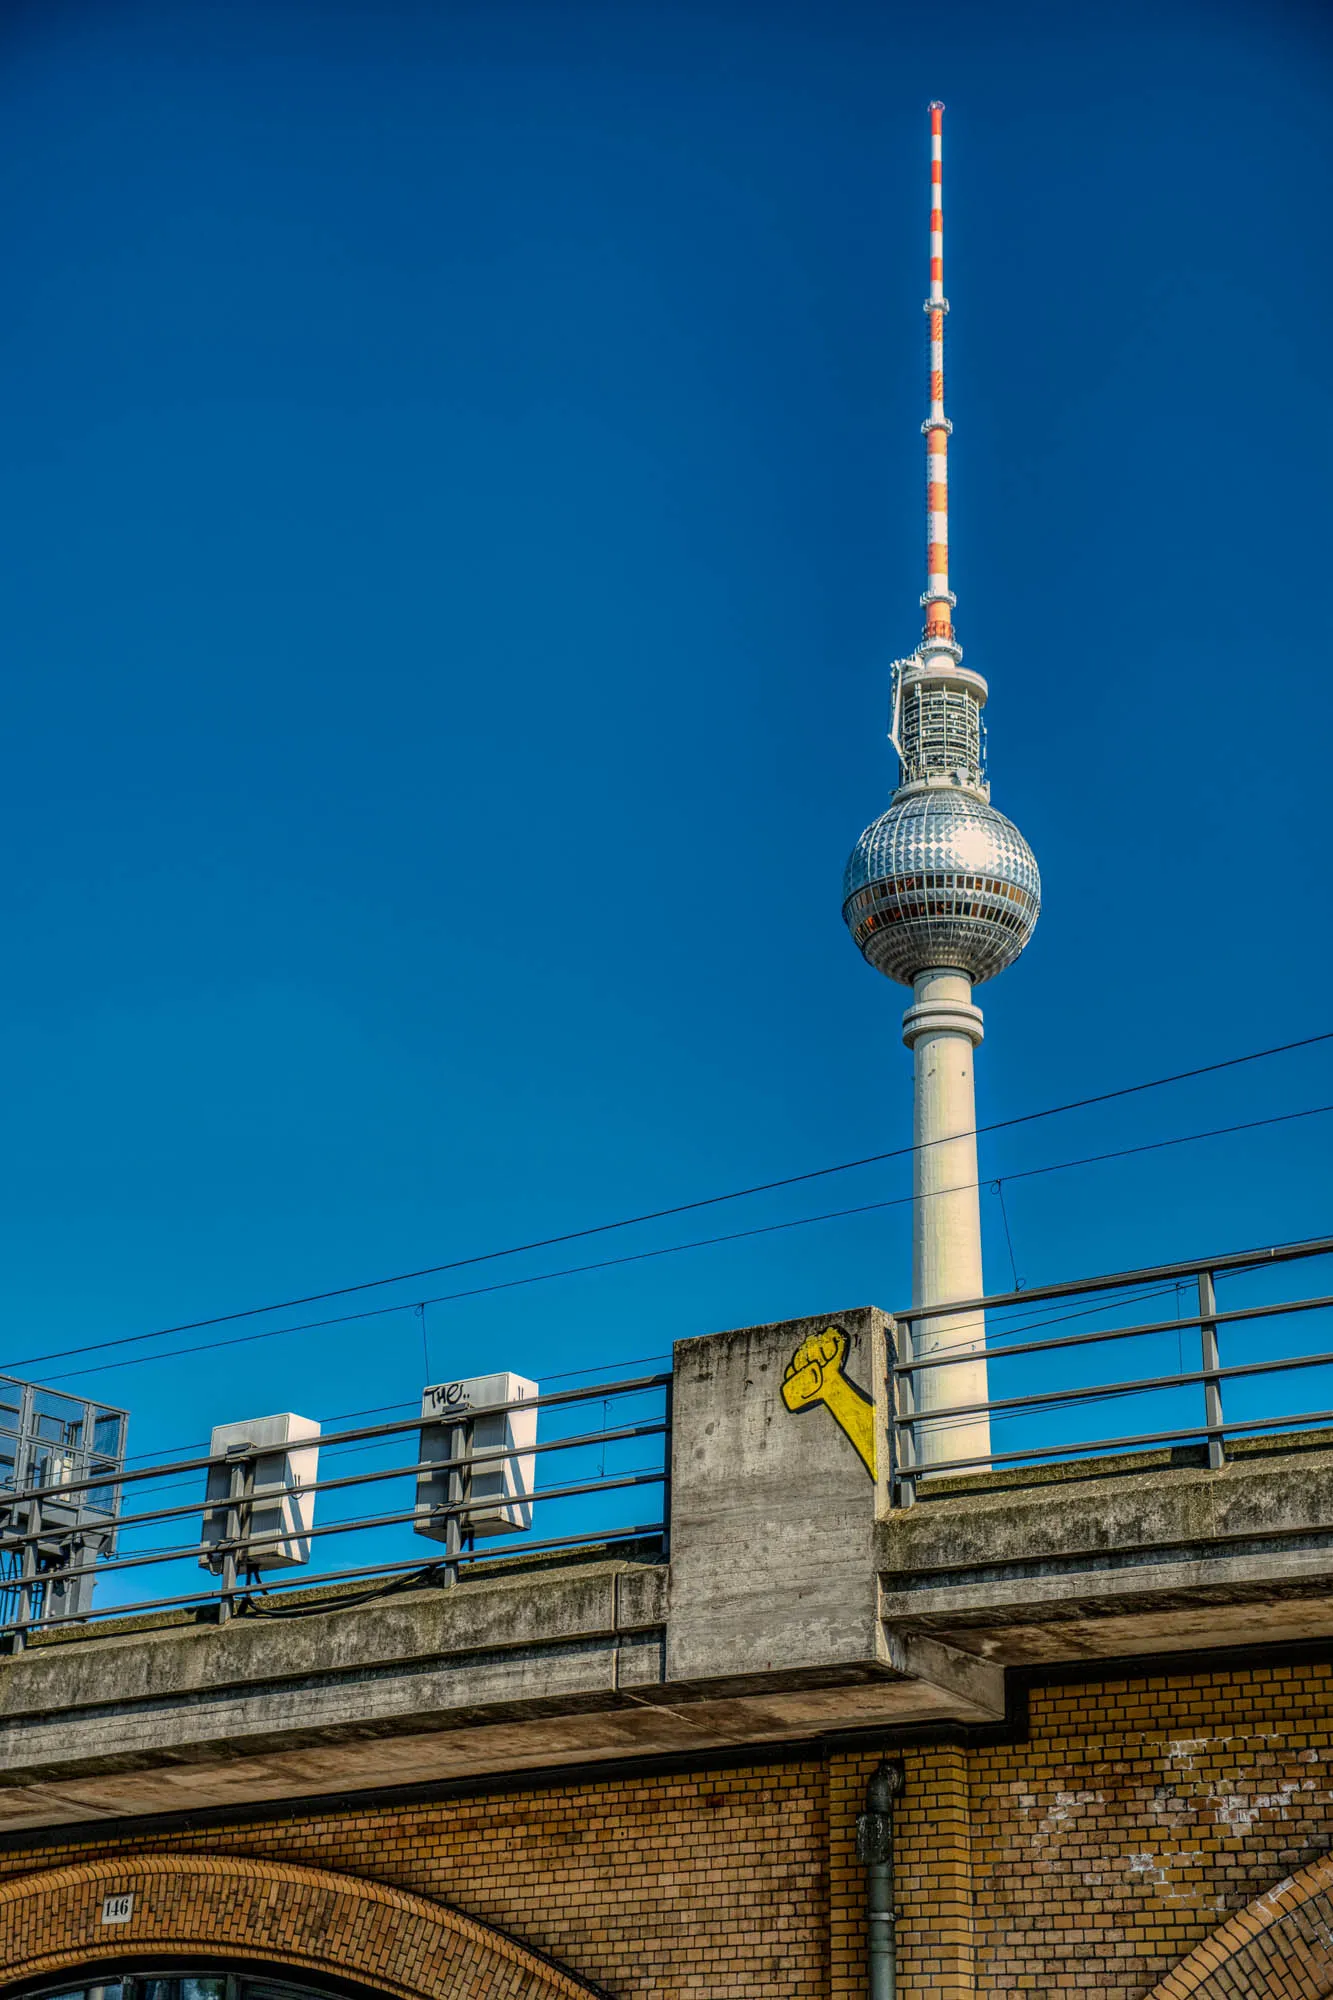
(942, 1028)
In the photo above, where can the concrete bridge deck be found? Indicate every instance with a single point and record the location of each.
(794, 1605)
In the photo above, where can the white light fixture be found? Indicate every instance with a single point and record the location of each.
(259, 1484)
(468, 1420)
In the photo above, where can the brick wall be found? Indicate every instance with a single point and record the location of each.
(1095, 1855)
(53, 1928)
(663, 1886)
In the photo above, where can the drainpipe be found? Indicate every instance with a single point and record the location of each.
(874, 1848)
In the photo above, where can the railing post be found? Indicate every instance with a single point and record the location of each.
(240, 1491)
(66, 1556)
(903, 1419)
(28, 1572)
(1211, 1362)
(459, 1445)
(667, 1447)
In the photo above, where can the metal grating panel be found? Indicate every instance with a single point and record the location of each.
(940, 732)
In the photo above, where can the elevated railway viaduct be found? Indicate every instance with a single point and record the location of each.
(637, 1768)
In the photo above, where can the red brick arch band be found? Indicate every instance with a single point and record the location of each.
(1279, 1948)
(262, 1911)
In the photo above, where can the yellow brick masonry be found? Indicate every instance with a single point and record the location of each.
(665, 1886)
(1281, 1944)
(1138, 1817)
(1096, 1856)
(306, 1918)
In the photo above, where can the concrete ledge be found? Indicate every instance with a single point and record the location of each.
(555, 1666)
(587, 1601)
(216, 1767)
(1143, 1552)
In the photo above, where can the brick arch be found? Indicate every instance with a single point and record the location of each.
(308, 1919)
(1279, 1948)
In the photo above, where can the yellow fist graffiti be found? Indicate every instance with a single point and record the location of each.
(815, 1375)
(803, 1383)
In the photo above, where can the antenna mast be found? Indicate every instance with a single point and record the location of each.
(938, 600)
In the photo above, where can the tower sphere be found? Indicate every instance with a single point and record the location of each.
(941, 880)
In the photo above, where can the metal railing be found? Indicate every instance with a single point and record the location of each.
(1183, 1406)
(235, 1559)
(1066, 1394)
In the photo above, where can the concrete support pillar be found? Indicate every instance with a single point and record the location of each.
(942, 1028)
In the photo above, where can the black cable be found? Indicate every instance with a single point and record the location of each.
(1051, 1318)
(1009, 1241)
(680, 1208)
(251, 1607)
(675, 1249)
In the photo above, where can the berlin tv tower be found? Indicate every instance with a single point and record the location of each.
(940, 893)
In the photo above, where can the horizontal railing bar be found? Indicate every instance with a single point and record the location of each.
(1114, 1333)
(597, 1540)
(487, 1458)
(1236, 1260)
(602, 1392)
(274, 1537)
(1196, 1433)
(1045, 1399)
(412, 1516)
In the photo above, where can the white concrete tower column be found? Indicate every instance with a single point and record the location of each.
(942, 1028)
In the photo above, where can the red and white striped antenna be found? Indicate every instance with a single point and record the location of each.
(938, 599)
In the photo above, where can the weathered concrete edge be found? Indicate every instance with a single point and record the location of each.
(602, 1602)
(1253, 1498)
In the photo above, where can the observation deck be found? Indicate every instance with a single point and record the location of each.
(758, 1562)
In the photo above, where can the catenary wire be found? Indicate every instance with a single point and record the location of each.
(683, 1209)
(658, 1214)
(387, 1409)
(1050, 1317)
(675, 1249)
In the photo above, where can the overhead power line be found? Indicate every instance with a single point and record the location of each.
(392, 1409)
(646, 1256)
(678, 1208)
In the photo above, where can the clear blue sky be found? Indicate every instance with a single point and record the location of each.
(461, 485)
